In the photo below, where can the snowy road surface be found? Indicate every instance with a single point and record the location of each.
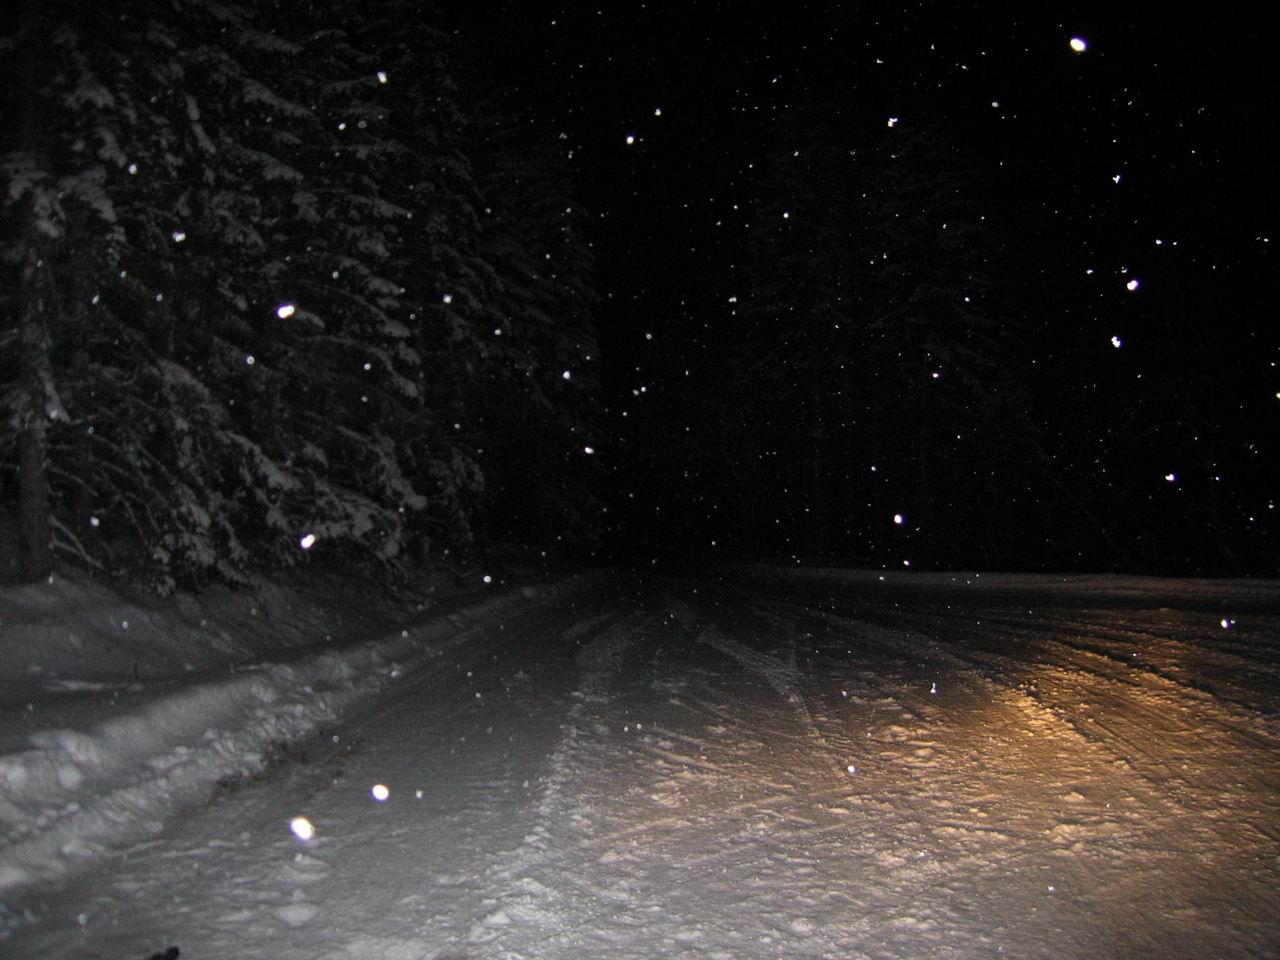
(682, 769)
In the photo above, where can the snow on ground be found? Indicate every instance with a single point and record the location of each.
(114, 711)
(781, 766)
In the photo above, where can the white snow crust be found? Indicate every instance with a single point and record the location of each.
(110, 725)
(781, 763)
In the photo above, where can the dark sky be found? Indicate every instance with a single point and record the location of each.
(1130, 179)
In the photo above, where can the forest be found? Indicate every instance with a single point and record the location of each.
(297, 284)
(279, 279)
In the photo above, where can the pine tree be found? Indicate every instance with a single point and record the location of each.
(254, 297)
(541, 389)
(869, 323)
(446, 281)
(60, 230)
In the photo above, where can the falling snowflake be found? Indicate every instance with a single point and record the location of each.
(380, 792)
(285, 311)
(308, 541)
(1078, 44)
(302, 828)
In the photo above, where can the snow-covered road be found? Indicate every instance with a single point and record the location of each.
(693, 769)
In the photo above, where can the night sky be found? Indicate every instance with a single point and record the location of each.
(1126, 180)
(915, 286)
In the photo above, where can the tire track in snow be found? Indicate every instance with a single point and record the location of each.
(524, 906)
(679, 809)
(1102, 694)
(1123, 733)
(1194, 661)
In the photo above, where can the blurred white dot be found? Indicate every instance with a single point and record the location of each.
(250, 360)
(1171, 477)
(447, 298)
(488, 579)
(630, 139)
(1078, 44)
(382, 76)
(380, 792)
(1132, 284)
(285, 311)
(308, 541)
(302, 828)
(898, 519)
(178, 236)
(588, 450)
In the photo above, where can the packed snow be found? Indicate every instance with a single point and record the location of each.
(775, 763)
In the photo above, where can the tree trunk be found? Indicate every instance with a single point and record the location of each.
(924, 508)
(816, 528)
(35, 558)
(35, 555)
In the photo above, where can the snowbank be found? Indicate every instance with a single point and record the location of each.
(115, 712)
(1105, 589)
